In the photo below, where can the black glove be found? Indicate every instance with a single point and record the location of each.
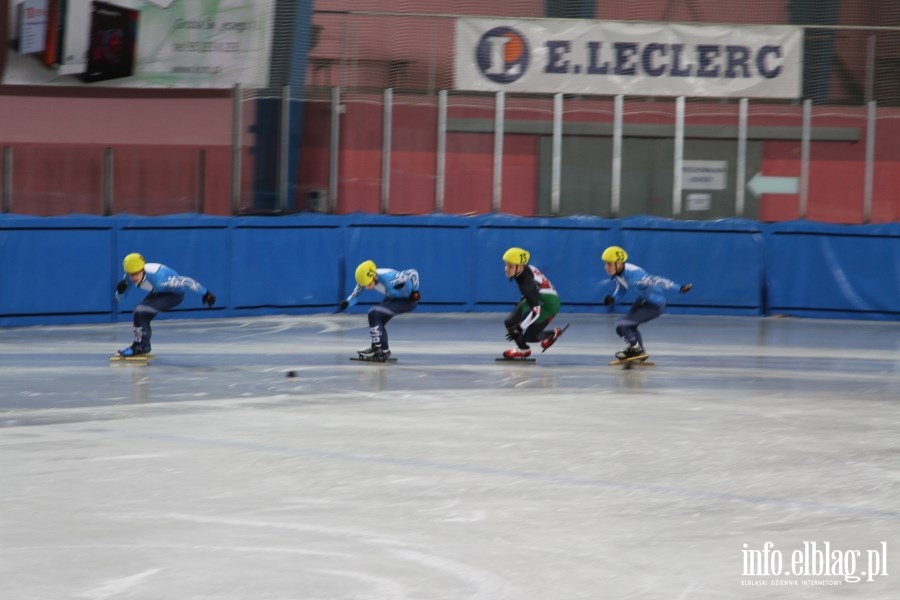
(343, 305)
(686, 288)
(415, 296)
(209, 298)
(121, 287)
(513, 334)
(608, 300)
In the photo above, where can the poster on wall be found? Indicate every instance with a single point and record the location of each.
(618, 58)
(31, 26)
(112, 41)
(148, 43)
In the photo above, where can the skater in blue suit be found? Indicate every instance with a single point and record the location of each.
(166, 291)
(650, 303)
(401, 295)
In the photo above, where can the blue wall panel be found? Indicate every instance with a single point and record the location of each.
(54, 271)
(826, 270)
(723, 259)
(285, 265)
(63, 269)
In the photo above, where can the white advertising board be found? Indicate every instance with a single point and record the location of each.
(642, 59)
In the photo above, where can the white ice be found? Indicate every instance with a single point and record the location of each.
(210, 474)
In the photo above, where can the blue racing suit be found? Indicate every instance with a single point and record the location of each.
(650, 303)
(166, 291)
(401, 295)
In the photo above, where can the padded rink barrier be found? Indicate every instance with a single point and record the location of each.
(722, 258)
(836, 271)
(58, 270)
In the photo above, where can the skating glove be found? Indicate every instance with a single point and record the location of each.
(415, 296)
(343, 305)
(513, 334)
(608, 300)
(121, 287)
(686, 288)
(209, 298)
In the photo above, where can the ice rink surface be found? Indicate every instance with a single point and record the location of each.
(210, 474)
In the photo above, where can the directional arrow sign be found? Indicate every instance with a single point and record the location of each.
(760, 184)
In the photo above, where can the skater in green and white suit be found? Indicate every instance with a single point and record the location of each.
(537, 307)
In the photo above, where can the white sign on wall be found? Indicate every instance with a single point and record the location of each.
(698, 202)
(704, 174)
(643, 59)
(32, 20)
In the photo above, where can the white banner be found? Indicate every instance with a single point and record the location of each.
(640, 59)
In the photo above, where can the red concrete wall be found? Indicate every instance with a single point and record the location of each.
(58, 136)
(836, 178)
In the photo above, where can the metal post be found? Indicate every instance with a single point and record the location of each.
(386, 149)
(679, 156)
(284, 140)
(334, 142)
(804, 158)
(108, 180)
(556, 160)
(500, 106)
(741, 176)
(433, 42)
(201, 181)
(441, 153)
(7, 179)
(870, 161)
(870, 69)
(236, 141)
(615, 207)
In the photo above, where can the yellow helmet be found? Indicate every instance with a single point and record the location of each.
(516, 256)
(133, 263)
(614, 254)
(365, 273)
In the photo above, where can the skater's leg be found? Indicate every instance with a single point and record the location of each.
(641, 312)
(378, 318)
(147, 310)
(512, 323)
(515, 317)
(535, 331)
(381, 314)
(549, 309)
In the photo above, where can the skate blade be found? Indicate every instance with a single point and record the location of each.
(514, 360)
(372, 360)
(629, 362)
(138, 359)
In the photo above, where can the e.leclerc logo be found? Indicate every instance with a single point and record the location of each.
(502, 54)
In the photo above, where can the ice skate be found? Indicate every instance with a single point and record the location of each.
(134, 352)
(547, 342)
(374, 354)
(631, 352)
(516, 354)
(632, 355)
(134, 349)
